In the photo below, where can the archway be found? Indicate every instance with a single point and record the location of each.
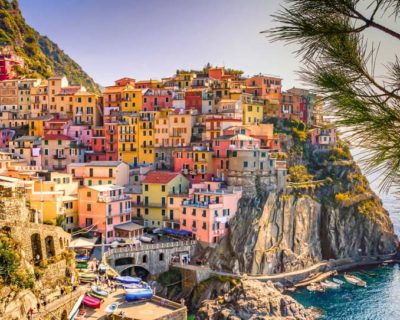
(36, 248)
(137, 271)
(50, 250)
(124, 261)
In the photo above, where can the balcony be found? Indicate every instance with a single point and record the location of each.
(149, 205)
(60, 157)
(113, 198)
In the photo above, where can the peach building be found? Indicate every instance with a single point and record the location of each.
(106, 207)
(100, 173)
(57, 151)
(208, 213)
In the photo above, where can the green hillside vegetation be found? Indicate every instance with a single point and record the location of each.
(43, 57)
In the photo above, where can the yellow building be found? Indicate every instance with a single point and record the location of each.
(253, 109)
(36, 125)
(56, 195)
(131, 99)
(146, 143)
(85, 109)
(156, 188)
(24, 95)
(184, 80)
(128, 142)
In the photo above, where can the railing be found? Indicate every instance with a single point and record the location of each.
(149, 205)
(60, 156)
(113, 198)
(151, 246)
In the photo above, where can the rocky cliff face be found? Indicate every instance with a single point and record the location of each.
(253, 300)
(293, 230)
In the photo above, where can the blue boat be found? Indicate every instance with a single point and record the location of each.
(138, 294)
(142, 285)
(82, 258)
(127, 279)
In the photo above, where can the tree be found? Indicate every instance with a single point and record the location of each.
(339, 64)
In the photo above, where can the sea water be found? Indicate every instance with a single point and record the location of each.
(380, 300)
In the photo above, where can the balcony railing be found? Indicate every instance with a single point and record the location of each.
(60, 156)
(149, 205)
(113, 198)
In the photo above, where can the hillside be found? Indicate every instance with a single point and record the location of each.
(42, 56)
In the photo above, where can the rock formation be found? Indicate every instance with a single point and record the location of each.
(274, 233)
(252, 299)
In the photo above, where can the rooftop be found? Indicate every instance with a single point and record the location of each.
(97, 164)
(160, 177)
(106, 187)
(56, 137)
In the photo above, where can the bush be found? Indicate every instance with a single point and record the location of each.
(299, 174)
(342, 197)
(48, 222)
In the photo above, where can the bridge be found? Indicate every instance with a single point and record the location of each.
(155, 258)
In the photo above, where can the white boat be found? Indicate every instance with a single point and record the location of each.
(338, 281)
(111, 308)
(74, 312)
(354, 280)
(315, 288)
(146, 239)
(330, 285)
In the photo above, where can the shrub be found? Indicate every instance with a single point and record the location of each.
(299, 173)
(342, 197)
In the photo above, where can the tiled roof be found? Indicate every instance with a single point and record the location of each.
(56, 137)
(162, 177)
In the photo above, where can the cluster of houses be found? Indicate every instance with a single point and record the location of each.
(147, 154)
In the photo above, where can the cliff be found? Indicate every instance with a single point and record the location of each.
(253, 300)
(41, 55)
(337, 217)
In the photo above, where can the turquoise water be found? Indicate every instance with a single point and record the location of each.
(379, 301)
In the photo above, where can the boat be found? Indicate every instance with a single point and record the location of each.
(138, 294)
(330, 285)
(91, 302)
(314, 287)
(111, 308)
(146, 239)
(82, 258)
(128, 279)
(74, 312)
(354, 280)
(81, 265)
(87, 277)
(99, 291)
(142, 285)
(94, 295)
(338, 281)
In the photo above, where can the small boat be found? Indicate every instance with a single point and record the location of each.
(99, 291)
(141, 294)
(74, 312)
(111, 308)
(82, 258)
(81, 265)
(338, 281)
(128, 279)
(330, 285)
(142, 285)
(94, 295)
(87, 277)
(91, 302)
(354, 280)
(315, 288)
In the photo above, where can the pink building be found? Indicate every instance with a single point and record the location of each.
(323, 137)
(156, 99)
(106, 207)
(81, 134)
(209, 211)
(57, 126)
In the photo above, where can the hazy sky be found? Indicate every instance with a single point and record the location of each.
(152, 38)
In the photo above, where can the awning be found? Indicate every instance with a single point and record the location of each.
(83, 242)
(130, 226)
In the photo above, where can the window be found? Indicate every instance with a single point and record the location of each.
(46, 152)
(109, 220)
(89, 221)
(245, 164)
(46, 142)
(184, 222)
(163, 188)
(88, 194)
(161, 256)
(146, 211)
(146, 187)
(163, 212)
(204, 226)
(88, 207)
(91, 172)
(171, 200)
(110, 173)
(109, 234)
(59, 142)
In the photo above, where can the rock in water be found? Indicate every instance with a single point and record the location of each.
(252, 299)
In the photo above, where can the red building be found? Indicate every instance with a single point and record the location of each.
(193, 99)
(104, 144)
(8, 60)
(156, 100)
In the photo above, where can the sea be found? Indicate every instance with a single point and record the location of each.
(381, 299)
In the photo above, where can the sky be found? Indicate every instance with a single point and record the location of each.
(146, 39)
